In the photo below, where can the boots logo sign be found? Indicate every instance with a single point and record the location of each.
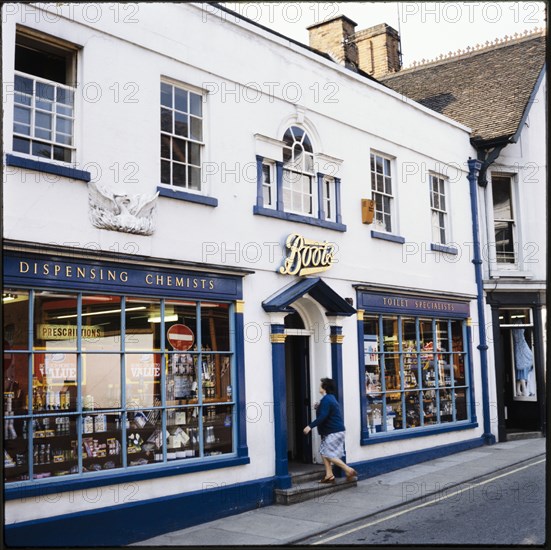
(305, 256)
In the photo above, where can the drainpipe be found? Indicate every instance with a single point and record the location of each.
(474, 169)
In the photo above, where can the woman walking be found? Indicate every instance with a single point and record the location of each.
(330, 426)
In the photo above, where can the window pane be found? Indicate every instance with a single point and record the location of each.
(217, 429)
(166, 120)
(165, 147)
(57, 455)
(181, 124)
(45, 91)
(101, 323)
(392, 372)
(22, 115)
(65, 96)
(460, 405)
(216, 378)
(194, 180)
(64, 125)
(413, 409)
(143, 380)
(101, 381)
(181, 100)
(42, 134)
(379, 164)
(44, 105)
(41, 150)
(21, 129)
(60, 153)
(429, 407)
(101, 442)
(54, 382)
(505, 250)
(179, 149)
(394, 412)
(183, 428)
(196, 128)
(215, 325)
(501, 192)
(387, 167)
(194, 154)
(143, 326)
(165, 172)
(55, 321)
(23, 85)
(196, 104)
(179, 175)
(166, 94)
(21, 145)
(446, 406)
(182, 384)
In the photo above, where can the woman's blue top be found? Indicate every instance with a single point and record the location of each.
(328, 416)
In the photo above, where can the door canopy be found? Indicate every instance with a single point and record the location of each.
(314, 287)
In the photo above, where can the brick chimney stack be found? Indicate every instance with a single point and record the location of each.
(375, 51)
(379, 50)
(336, 38)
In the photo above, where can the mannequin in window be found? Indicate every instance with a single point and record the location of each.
(524, 361)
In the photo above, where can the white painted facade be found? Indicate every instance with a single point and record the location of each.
(345, 115)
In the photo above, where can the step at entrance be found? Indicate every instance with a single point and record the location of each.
(305, 486)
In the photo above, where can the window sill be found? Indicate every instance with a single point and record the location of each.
(297, 218)
(387, 237)
(396, 435)
(443, 248)
(511, 273)
(185, 196)
(47, 167)
(21, 490)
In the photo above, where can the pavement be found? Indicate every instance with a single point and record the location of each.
(283, 525)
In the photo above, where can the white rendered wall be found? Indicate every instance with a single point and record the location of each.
(179, 42)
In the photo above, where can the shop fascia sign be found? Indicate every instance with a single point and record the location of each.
(306, 256)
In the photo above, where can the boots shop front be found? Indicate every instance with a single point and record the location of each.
(101, 359)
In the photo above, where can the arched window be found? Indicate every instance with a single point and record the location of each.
(298, 172)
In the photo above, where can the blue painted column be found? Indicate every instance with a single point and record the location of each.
(277, 338)
(240, 399)
(336, 338)
(361, 370)
(474, 169)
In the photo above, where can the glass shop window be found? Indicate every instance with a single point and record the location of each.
(415, 372)
(117, 382)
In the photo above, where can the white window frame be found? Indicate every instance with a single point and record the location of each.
(387, 176)
(299, 171)
(188, 139)
(329, 200)
(41, 104)
(268, 167)
(439, 209)
(493, 256)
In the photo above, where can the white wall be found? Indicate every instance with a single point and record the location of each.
(176, 42)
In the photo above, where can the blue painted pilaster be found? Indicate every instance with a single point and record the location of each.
(336, 338)
(361, 370)
(241, 403)
(474, 169)
(277, 337)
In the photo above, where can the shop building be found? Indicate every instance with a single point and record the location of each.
(190, 249)
(508, 130)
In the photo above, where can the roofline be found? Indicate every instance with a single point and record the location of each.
(528, 106)
(359, 75)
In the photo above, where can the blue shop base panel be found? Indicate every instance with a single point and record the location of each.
(136, 521)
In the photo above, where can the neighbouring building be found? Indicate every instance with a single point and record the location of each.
(193, 238)
(500, 91)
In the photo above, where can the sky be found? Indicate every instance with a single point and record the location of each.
(427, 29)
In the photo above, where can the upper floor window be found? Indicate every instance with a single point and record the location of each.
(438, 209)
(299, 191)
(181, 137)
(268, 184)
(44, 99)
(504, 221)
(328, 191)
(381, 190)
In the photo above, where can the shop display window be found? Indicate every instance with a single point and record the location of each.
(99, 383)
(415, 372)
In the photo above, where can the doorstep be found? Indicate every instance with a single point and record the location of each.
(306, 487)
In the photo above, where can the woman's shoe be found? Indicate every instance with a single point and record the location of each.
(325, 479)
(352, 475)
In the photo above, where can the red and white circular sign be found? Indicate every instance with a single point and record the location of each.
(181, 337)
